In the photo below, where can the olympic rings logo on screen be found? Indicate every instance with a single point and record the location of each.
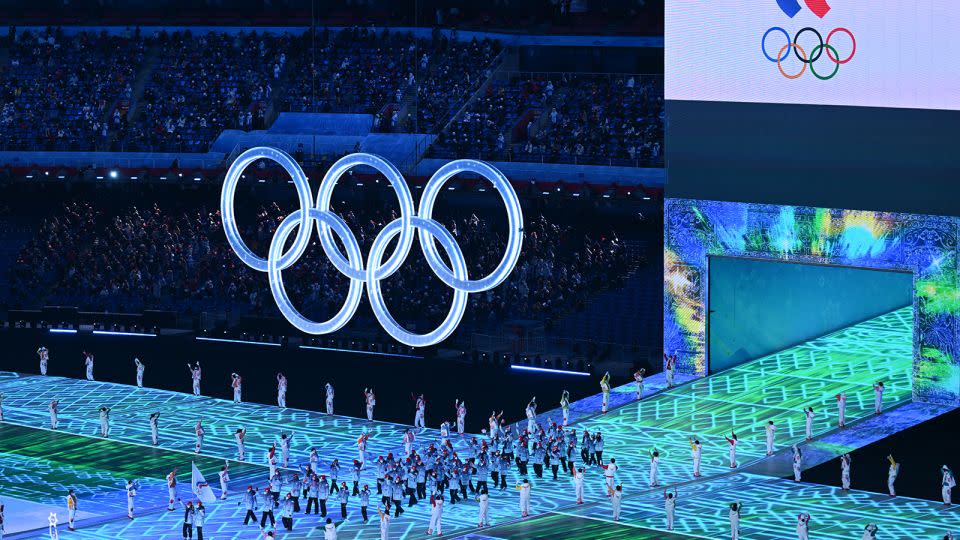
(375, 270)
(816, 53)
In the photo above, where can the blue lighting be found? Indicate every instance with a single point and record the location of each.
(548, 370)
(62, 331)
(225, 340)
(115, 333)
(333, 349)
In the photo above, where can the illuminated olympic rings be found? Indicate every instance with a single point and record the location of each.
(405, 227)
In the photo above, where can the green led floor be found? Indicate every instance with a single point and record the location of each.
(566, 527)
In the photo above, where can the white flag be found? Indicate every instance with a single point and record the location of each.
(200, 486)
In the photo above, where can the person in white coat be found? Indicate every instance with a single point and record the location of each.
(171, 490)
(369, 401)
(610, 473)
(483, 511)
(565, 407)
(44, 355)
(892, 473)
(224, 479)
(946, 485)
(104, 421)
(236, 382)
(384, 524)
(616, 499)
(88, 364)
(696, 449)
(878, 397)
(870, 532)
(436, 514)
(525, 489)
(200, 432)
(732, 442)
(797, 463)
(155, 428)
(845, 472)
(605, 392)
(54, 410)
(809, 414)
(131, 495)
(578, 485)
(803, 526)
(771, 430)
(281, 391)
(140, 368)
(735, 510)
(670, 506)
(638, 378)
(531, 413)
(329, 398)
(654, 466)
(330, 530)
(842, 409)
(461, 410)
(195, 375)
(239, 435)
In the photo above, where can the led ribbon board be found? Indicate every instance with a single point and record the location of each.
(375, 270)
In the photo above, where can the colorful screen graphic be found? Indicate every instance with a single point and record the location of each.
(889, 53)
(926, 246)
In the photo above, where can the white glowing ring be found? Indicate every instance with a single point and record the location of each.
(274, 274)
(407, 211)
(514, 224)
(228, 194)
(352, 266)
(387, 321)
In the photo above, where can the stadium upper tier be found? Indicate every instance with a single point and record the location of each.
(178, 91)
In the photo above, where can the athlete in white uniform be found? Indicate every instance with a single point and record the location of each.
(892, 475)
(172, 489)
(44, 355)
(654, 465)
(524, 489)
(809, 414)
(241, 450)
(605, 391)
(224, 480)
(616, 499)
(803, 526)
(140, 368)
(638, 377)
(670, 505)
(281, 391)
(419, 416)
(578, 485)
(771, 430)
(155, 428)
(697, 450)
(329, 391)
(436, 514)
(565, 407)
(104, 421)
(236, 382)
(384, 524)
(531, 412)
(732, 443)
(131, 494)
(797, 463)
(88, 363)
(370, 401)
(200, 432)
(195, 375)
(878, 397)
(735, 509)
(946, 485)
(461, 408)
(670, 366)
(845, 472)
(483, 514)
(842, 409)
(870, 532)
(54, 409)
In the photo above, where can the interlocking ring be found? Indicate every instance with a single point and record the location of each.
(352, 265)
(815, 53)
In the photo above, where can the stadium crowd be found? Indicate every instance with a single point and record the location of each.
(177, 257)
(176, 92)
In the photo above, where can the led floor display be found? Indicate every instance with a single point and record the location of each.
(42, 464)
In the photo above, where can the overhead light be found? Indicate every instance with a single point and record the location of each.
(113, 174)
